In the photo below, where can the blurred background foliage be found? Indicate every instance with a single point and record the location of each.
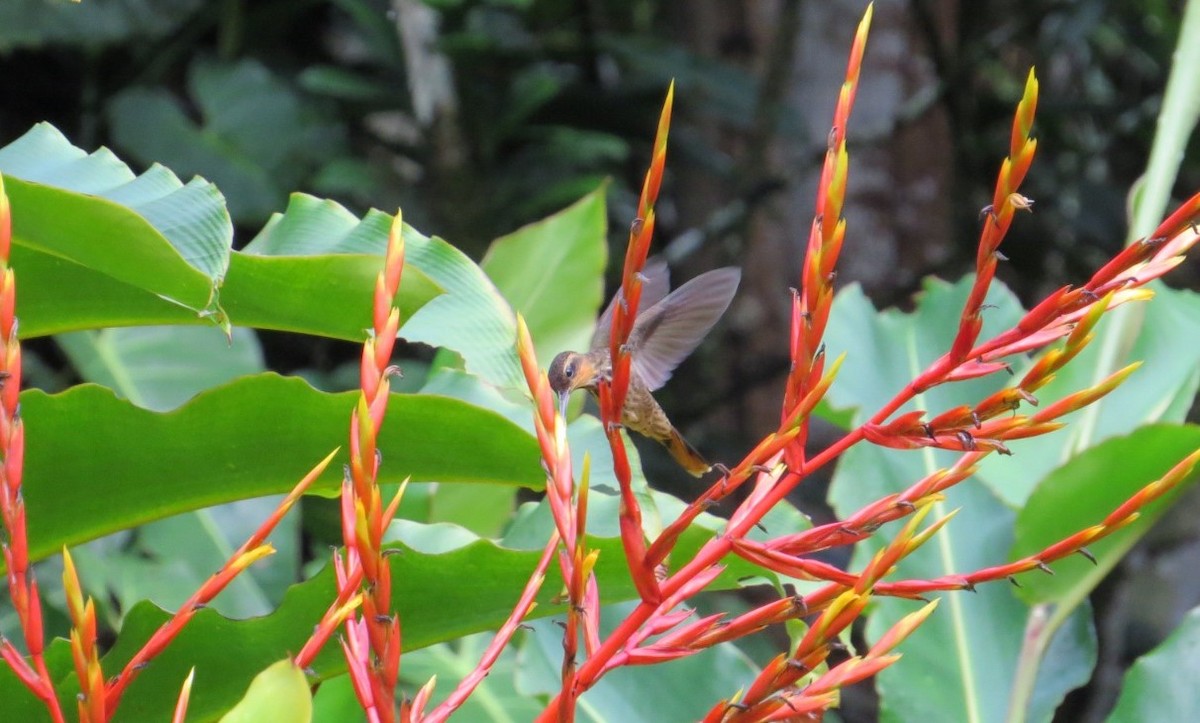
(478, 116)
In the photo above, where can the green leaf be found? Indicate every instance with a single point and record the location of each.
(497, 699)
(279, 694)
(165, 560)
(70, 209)
(1161, 684)
(552, 272)
(160, 368)
(327, 295)
(1085, 490)
(174, 238)
(96, 464)
(472, 317)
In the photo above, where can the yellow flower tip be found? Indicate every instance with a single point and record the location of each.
(71, 584)
(319, 468)
(396, 232)
(589, 562)
(832, 372)
(865, 23)
(1122, 374)
(1192, 458)
(248, 558)
(186, 689)
(522, 327)
(560, 433)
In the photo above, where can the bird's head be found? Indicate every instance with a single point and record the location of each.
(570, 371)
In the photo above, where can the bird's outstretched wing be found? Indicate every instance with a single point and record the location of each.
(654, 288)
(667, 332)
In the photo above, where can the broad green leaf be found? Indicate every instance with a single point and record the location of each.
(279, 694)
(173, 238)
(160, 368)
(1085, 490)
(1161, 685)
(326, 295)
(336, 702)
(440, 597)
(1161, 390)
(72, 209)
(471, 317)
(96, 464)
(552, 272)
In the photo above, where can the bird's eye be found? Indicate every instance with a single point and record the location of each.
(569, 371)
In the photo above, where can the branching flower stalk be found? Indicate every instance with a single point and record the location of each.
(372, 637)
(658, 628)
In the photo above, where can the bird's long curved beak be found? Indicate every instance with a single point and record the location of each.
(563, 398)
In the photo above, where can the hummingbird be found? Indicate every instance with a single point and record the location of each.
(668, 329)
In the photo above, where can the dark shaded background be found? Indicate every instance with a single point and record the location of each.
(477, 116)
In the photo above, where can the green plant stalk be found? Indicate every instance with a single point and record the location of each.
(1178, 118)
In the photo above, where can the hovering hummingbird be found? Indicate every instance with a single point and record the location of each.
(667, 330)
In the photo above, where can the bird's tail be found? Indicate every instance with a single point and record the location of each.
(685, 454)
